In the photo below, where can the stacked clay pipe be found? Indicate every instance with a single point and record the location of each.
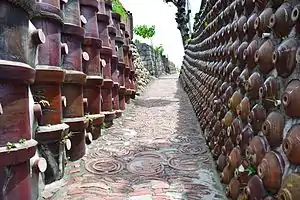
(241, 73)
(47, 87)
(18, 145)
(56, 87)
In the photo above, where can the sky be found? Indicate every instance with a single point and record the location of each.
(162, 15)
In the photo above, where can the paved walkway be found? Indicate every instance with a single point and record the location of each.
(154, 152)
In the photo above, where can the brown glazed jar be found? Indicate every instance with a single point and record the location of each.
(272, 128)
(249, 54)
(235, 129)
(256, 117)
(243, 109)
(221, 162)
(228, 118)
(227, 174)
(228, 146)
(233, 189)
(284, 57)
(249, 26)
(255, 189)
(261, 23)
(269, 88)
(235, 74)
(256, 150)
(281, 21)
(271, 170)
(244, 138)
(253, 84)
(291, 145)
(290, 188)
(234, 159)
(240, 52)
(291, 98)
(235, 100)
(227, 94)
(263, 56)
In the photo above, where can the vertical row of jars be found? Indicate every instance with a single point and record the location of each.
(62, 67)
(19, 41)
(241, 72)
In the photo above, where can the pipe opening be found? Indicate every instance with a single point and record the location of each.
(260, 172)
(275, 57)
(256, 23)
(256, 56)
(285, 99)
(272, 21)
(261, 91)
(295, 13)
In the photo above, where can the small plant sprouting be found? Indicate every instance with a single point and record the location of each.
(22, 141)
(66, 137)
(11, 145)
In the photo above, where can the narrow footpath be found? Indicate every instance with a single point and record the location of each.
(154, 152)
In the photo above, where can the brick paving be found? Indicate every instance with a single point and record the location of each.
(154, 152)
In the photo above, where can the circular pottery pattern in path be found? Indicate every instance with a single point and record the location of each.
(192, 149)
(100, 153)
(145, 166)
(104, 166)
(184, 163)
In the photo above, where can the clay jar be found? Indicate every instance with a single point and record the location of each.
(272, 128)
(291, 145)
(243, 109)
(221, 162)
(256, 117)
(263, 57)
(271, 170)
(290, 189)
(256, 150)
(262, 22)
(228, 93)
(228, 118)
(234, 75)
(234, 159)
(249, 53)
(244, 138)
(253, 84)
(249, 26)
(240, 52)
(228, 146)
(284, 57)
(269, 88)
(295, 17)
(255, 189)
(227, 174)
(235, 100)
(239, 26)
(291, 98)
(235, 129)
(233, 189)
(281, 21)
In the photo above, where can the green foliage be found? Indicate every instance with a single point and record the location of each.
(145, 31)
(159, 50)
(117, 7)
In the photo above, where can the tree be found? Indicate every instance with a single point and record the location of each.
(144, 31)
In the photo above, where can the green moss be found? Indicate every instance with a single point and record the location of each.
(117, 7)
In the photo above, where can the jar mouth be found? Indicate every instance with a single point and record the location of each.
(287, 146)
(256, 56)
(275, 56)
(295, 14)
(256, 23)
(245, 28)
(285, 99)
(272, 21)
